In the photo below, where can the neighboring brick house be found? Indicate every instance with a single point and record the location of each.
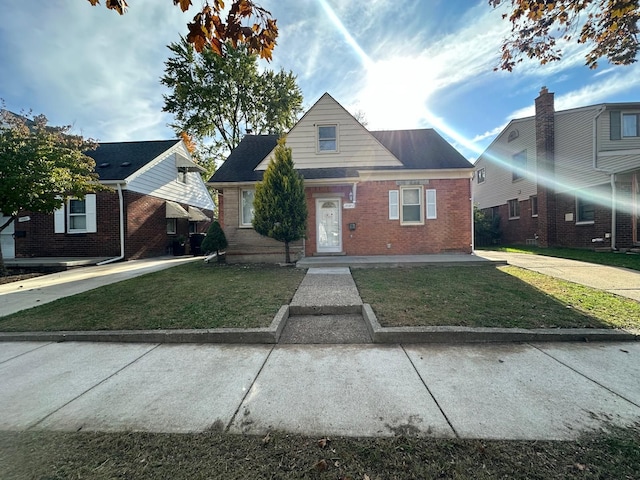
(368, 193)
(157, 196)
(567, 178)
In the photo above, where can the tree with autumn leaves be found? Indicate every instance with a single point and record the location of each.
(610, 27)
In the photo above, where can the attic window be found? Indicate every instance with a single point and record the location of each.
(104, 165)
(125, 164)
(327, 138)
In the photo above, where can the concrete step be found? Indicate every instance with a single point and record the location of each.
(325, 329)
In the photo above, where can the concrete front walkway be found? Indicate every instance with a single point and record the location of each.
(621, 281)
(504, 391)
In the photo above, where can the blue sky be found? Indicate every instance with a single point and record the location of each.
(402, 63)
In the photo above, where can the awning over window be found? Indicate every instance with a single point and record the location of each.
(196, 215)
(183, 163)
(174, 210)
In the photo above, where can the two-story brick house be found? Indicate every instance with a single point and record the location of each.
(566, 178)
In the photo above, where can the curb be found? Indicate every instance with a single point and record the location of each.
(378, 333)
(453, 335)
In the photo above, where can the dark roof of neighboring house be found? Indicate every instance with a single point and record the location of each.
(118, 160)
(408, 146)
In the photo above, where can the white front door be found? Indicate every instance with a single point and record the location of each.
(7, 242)
(328, 225)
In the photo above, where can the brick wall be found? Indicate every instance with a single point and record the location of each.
(545, 166)
(518, 230)
(39, 239)
(375, 234)
(145, 230)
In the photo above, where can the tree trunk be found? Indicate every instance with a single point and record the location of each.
(287, 258)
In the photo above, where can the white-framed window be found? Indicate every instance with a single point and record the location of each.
(585, 210)
(327, 138)
(77, 215)
(171, 226)
(431, 205)
(394, 204)
(631, 124)
(412, 211)
(519, 165)
(534, 205)
(182, 176)
(246, 207)
(480, 175)
(514, 209)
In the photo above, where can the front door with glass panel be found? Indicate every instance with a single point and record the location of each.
(328, 225)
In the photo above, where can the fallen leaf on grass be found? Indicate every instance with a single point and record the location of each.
(323, 442)
(321, 466)
(267, 438)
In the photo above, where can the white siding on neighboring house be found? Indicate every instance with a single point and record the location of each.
(620, 163)
(497, 161)
(574, 145)
(7, 242)
(356, 147)
(160, 179)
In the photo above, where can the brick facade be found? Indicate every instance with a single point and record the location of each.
(145, 230)
(375, 234)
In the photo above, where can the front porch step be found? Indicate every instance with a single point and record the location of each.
(325, 329)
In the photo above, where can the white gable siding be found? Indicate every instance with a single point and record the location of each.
(356, 146)
(574, 150)
(161, 180)
(620, 163)
(497, 161)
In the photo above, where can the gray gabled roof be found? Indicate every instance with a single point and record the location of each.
(422, 149)
(119, 160)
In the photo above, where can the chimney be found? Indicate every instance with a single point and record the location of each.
(545, 168)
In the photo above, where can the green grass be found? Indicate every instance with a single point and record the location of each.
(486, 296)
(194, 295)
(626, 260)
(214, 455)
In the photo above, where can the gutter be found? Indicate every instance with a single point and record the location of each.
(612, 175)
(121, 205)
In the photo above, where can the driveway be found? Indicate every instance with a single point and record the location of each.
(621, 281)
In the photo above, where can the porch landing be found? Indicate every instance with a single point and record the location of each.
(395, 261)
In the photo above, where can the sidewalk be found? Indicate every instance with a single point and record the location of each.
(513, 391)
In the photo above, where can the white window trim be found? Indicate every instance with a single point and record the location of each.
(61, 217)
(484, 175)
(629, 114)
(241, 222)
(394, 205)
(429, 203)
(534, 215)
(337, 127)
(420, 197)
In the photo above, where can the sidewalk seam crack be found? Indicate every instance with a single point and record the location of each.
(92, 387)
(585, 376)
(244, 397)
(430, 393)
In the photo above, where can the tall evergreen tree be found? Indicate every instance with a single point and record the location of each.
(280, 207)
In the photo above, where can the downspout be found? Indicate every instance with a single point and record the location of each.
(611, 174)
(121, 205)
(473, 232)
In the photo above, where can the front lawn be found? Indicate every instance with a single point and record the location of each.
(486, 296)
(194, 295)
(56, 455)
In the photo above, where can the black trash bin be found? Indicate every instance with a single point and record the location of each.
(195, 241)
